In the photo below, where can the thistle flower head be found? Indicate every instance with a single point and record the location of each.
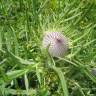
(58, 44)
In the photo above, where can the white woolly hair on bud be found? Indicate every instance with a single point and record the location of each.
(56, 43)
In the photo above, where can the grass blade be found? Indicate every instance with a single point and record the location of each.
(62, 80)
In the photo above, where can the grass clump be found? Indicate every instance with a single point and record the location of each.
(26, 69)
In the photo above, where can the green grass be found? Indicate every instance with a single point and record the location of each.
(26, 69)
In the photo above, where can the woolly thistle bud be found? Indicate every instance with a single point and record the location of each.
(58, 44)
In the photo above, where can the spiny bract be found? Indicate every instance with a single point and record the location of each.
(56, 43)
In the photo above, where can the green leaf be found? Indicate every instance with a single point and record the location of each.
(62, 79)
(16, 73)
(19, 60)
(7, 91)
(0, 40)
